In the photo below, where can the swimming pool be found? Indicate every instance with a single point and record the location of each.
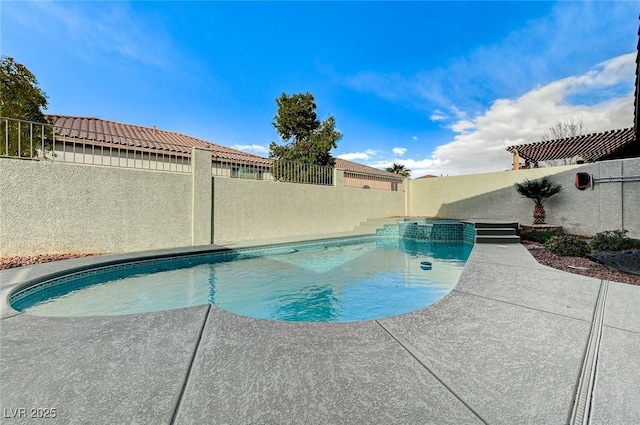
(340, 280)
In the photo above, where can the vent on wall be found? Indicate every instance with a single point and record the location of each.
(584, 180)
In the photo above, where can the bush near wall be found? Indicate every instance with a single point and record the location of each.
(568, 246)
(538, 236)
(614, 240)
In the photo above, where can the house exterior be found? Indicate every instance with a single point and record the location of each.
(95, 141)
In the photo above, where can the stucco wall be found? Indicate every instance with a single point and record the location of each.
(49, 207)
(608, 206)
(247, 209)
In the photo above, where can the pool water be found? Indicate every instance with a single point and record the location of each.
(323, 282)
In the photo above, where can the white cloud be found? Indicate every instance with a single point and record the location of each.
(479, 143)
(354, 155)
(438, 115)
(257, 149)
(523, 120)
(462, 126)
(363, 156)
(399, 151)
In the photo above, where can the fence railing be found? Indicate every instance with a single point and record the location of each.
(20, 139)
(43, 141)
(373, 181)
(281, 171)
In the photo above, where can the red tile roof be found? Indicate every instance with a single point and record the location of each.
(590, 147)
(90, 129)
(97, 130)
(343, 164)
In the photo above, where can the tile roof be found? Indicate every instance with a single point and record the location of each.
(343, 164)
(97, 130)
(590, 147)
(90, 129)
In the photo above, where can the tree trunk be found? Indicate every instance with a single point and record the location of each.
(539, 214)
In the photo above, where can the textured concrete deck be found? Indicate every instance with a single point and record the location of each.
(507, 346)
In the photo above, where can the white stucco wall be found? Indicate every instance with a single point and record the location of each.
(247, 209)
(52, 207)
(608, 206)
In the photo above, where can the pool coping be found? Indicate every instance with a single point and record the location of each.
(508, 344)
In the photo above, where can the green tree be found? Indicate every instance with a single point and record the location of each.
(306, 139)
(21, 99)
(399, 169)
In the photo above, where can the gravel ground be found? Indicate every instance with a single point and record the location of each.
(577, 265)
(11, 262)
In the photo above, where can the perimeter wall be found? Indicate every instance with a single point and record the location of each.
(54, 207)
(252, 209)
(608, 206)
(57, 207)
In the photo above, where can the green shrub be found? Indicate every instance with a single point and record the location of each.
(569, 246)
(614, 240)
(538, 236)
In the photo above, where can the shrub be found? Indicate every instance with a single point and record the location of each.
(569, 246)
(614, 240)
(538, 236)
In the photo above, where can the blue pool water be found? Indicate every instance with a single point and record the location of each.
(327, 281)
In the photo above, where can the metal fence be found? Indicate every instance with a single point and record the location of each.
(20, 139)
(281, 171)
(373, 181)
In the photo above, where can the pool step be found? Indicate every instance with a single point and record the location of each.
(496, 232)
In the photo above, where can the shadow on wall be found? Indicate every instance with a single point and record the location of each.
(609, 206)
(506, 204)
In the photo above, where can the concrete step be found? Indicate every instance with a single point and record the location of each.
(487, 224)
(497, 231)
(497, 239)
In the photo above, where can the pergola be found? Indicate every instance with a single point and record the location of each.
(593, 147)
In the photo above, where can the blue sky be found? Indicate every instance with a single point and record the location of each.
(441, 87)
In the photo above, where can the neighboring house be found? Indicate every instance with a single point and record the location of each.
(358, 175)
(100, 142)
(613, 144)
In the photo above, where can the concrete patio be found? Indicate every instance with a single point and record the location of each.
(515, 342)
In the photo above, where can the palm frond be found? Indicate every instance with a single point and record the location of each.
(538, 190)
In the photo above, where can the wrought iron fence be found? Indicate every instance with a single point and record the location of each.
(281, 171)
(22, 139)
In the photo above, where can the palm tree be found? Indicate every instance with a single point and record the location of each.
(399, 169)
(538, 191)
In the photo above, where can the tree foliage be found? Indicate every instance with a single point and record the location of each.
(306, 139)
(20, 99)
(538, 190)
(399, 169)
